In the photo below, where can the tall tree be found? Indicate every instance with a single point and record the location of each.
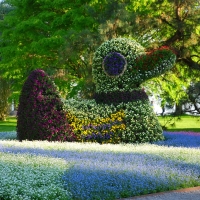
(175, 24)
(5, 92)
(172, 23)
(61, 36)
(5, 84)
(34, 32)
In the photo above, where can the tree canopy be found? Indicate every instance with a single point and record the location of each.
(62, 36)
(172, 23)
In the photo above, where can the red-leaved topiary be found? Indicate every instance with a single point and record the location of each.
(40, 113)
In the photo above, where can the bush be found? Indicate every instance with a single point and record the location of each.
(128, 65)
(40, 113)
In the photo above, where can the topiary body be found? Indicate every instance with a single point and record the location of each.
(121, 109)
(40, 113)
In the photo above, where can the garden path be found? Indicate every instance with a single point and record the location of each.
(182, 194)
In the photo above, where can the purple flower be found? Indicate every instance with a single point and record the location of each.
(114, 64)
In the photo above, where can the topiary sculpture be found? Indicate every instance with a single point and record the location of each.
(40, 113)
(119, 67)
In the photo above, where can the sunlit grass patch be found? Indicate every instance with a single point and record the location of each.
(180, 123)
(8, 125)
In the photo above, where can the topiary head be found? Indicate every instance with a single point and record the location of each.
(122, 64)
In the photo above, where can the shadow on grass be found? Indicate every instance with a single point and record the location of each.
(8, 135)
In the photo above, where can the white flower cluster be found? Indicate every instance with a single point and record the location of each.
(25, 176)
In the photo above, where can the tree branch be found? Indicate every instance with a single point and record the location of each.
(192, 64)
(177, 36)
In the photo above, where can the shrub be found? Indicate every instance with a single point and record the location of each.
(134, 65)
(120, 66)
(40, 113)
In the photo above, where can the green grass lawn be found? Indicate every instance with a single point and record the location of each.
(185, 123)
(8, 125)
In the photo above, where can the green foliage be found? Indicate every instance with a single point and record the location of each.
(57, 34)
(131, 122)
(38, 34)
(194, 98)
(40, 113)
(5, 92)
(141, 123)
(172, 87)
(175, 24)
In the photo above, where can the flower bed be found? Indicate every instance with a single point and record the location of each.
(131, 122)
(93, 171)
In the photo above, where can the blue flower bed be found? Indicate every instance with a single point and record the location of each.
(108, 171)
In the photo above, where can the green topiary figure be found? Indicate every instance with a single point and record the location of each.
(119, 67)
(120, 111)
(40, 113)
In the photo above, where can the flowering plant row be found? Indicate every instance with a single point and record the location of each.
(125, 122)
(93, 122)
(101, 130)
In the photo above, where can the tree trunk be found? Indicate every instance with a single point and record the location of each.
(178, 109)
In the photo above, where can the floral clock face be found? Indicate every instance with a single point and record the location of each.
(114, 64)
